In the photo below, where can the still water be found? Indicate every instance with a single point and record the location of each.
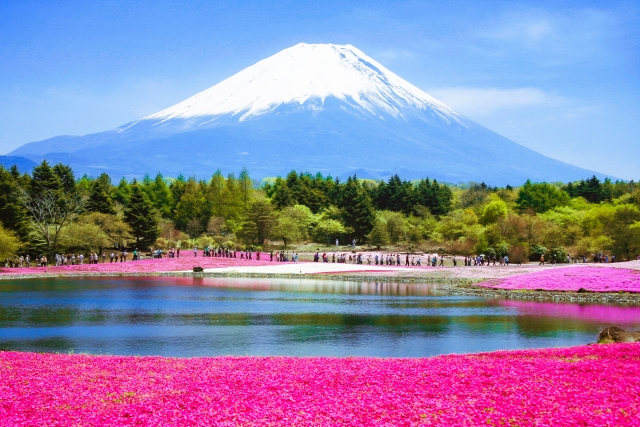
(172, 316)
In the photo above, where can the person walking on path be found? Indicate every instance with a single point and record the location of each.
(541, 260)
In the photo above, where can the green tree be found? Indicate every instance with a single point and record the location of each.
(44, 178)
(330, 229)
(379, 236)
(12, 213)
(357, 209)
(625, 233)
(540, 197)
(9, 243)
(141, 217)
(258, 222)
(99, 198)
(493, 212)
(294, 223)
(190, 207)
(122, 193)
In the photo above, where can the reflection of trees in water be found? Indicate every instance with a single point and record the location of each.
(51, 345)
(332, 326)
(540, 326)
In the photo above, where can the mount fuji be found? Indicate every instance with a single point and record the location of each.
(312, 107)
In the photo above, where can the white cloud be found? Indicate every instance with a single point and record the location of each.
(486, 101)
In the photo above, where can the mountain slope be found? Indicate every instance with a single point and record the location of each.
(324, 108)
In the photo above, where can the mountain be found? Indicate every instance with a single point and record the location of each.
(312, 107)
(23, 165)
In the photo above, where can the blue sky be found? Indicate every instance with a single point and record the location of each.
(562, 78)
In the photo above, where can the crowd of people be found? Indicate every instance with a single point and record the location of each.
(394, 259)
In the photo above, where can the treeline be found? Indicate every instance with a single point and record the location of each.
(51, 211)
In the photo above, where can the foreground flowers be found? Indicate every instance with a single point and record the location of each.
(593, 279)
(583, 386)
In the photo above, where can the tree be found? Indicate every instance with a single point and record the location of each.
(190, 206)
(85, 236)
(357, 208)
(9, 243)
(12, 212)
(294, 223)
(396, 225)
(141, 217)
(114, 228)
(99, 198)
(493, 212)
(44, 178)
(379, 236)
(258, 221)
(540, 197)
(50, 213)
(625, 233)
(330, 228)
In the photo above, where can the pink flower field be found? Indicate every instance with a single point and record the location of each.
(185, 263)
(594, 385)
(594, 279)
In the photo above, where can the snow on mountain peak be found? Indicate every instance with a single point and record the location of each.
(303, 72)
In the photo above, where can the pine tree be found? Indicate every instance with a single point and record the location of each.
(99, 198)
(357, 208)
(13, 215)
(141, 217)
(44, 178)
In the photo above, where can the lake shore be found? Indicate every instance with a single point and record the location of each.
(484, 281)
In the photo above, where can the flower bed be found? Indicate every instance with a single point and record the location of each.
(185, 263)
(582, 386)
(594, 279)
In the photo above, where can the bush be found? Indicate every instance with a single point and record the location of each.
(536, 252)
(559, 254)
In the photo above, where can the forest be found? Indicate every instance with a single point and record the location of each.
(49, 210)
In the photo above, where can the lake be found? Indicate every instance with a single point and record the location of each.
(184, 316)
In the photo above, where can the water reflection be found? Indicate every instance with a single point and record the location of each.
(206, 316)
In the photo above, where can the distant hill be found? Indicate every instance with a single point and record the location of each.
(23, 164)
(312, 107)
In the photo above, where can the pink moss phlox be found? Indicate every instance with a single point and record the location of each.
(594, 385)
(594, 279)
(185, 263)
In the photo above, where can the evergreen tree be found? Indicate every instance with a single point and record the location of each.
(44, 178)
(141, 217)
(160, 196)
(281, 195)
(67, 178)
(258, 222)
(190, 206)
(214, 203)
(357, 208)
(13, 215)
(99, 198)
(122, 193)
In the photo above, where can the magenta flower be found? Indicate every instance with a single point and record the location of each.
(595, 279)
(594, 385)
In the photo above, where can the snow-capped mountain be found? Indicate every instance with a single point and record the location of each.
(312, 107)
(305, 73)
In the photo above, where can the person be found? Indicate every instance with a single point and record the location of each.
(353, 243)
(541, 260)
(195, 251)
(337, 242)
(455, 262)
